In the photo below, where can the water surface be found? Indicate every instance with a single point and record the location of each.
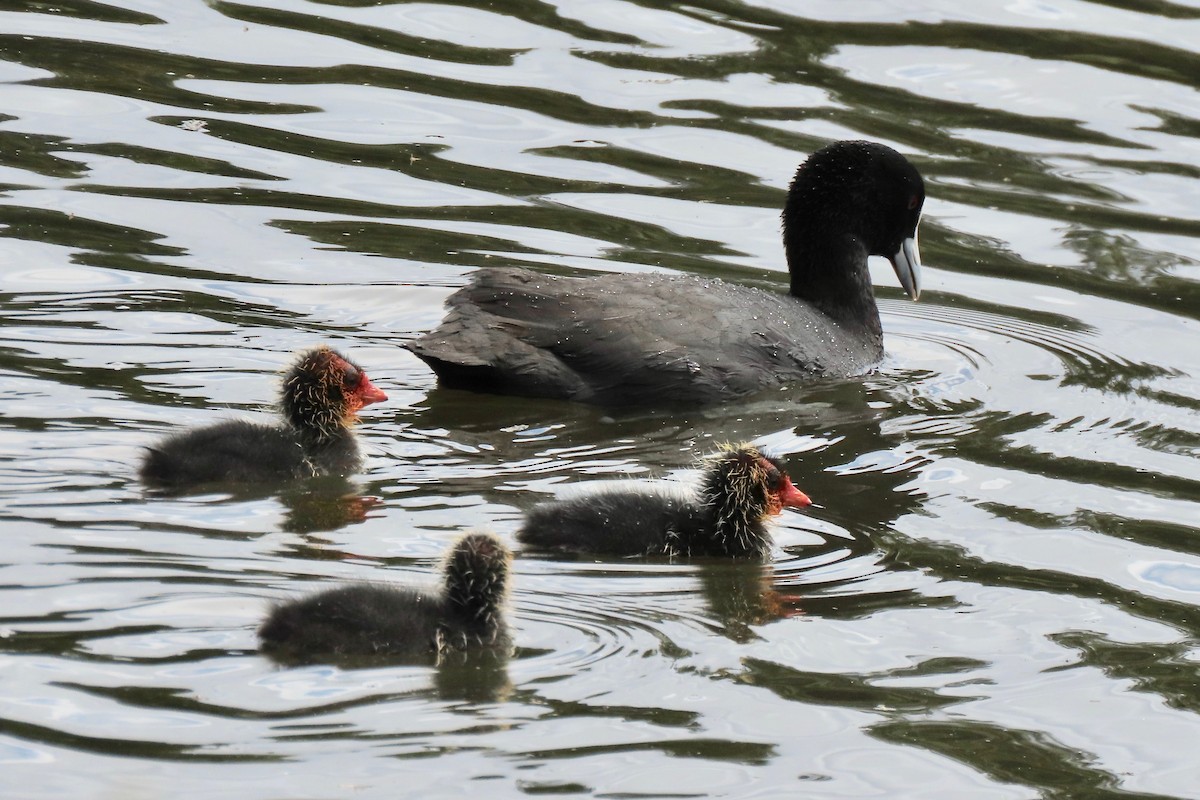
(999, 595)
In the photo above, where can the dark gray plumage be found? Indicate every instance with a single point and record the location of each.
(641, 339)
(321, 395)
(401, 623)
(739, 490)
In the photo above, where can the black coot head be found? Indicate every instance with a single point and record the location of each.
(858, 189)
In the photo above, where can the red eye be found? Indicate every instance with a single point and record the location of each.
(913, 202)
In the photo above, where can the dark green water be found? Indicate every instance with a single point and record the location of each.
(999, 595)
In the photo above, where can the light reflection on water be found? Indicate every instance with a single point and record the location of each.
(996, 595)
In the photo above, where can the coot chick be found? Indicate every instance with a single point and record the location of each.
(727, 517)
(647, 339)
(367, 620)
(321, 395)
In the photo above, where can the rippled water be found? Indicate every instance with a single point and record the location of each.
(999, 595)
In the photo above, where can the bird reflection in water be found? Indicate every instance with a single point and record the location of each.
(742, 594)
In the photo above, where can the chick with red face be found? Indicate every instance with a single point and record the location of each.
(322, 393)
(740, 490)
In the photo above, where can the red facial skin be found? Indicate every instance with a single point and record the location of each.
(368, 392)
(362, 395)
(787, 496)
(791, 497)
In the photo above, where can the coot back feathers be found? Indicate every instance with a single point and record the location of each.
(647, 339)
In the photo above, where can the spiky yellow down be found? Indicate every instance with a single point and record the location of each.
(318, 393)
(726, 517)
(319, 397)
(747, 473)
(743, 487)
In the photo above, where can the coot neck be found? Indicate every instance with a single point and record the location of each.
(736, 522)
(831, 275)
(475, 595)
(316, 439)
(318, 422)
(335, 454)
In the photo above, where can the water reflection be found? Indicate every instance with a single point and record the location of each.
(324, 505)
(480, 677)
(740, 596)
(474, 678)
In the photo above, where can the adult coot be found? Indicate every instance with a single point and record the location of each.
(640, 339)
(401, 623)
(727, 517)
(321, 395)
